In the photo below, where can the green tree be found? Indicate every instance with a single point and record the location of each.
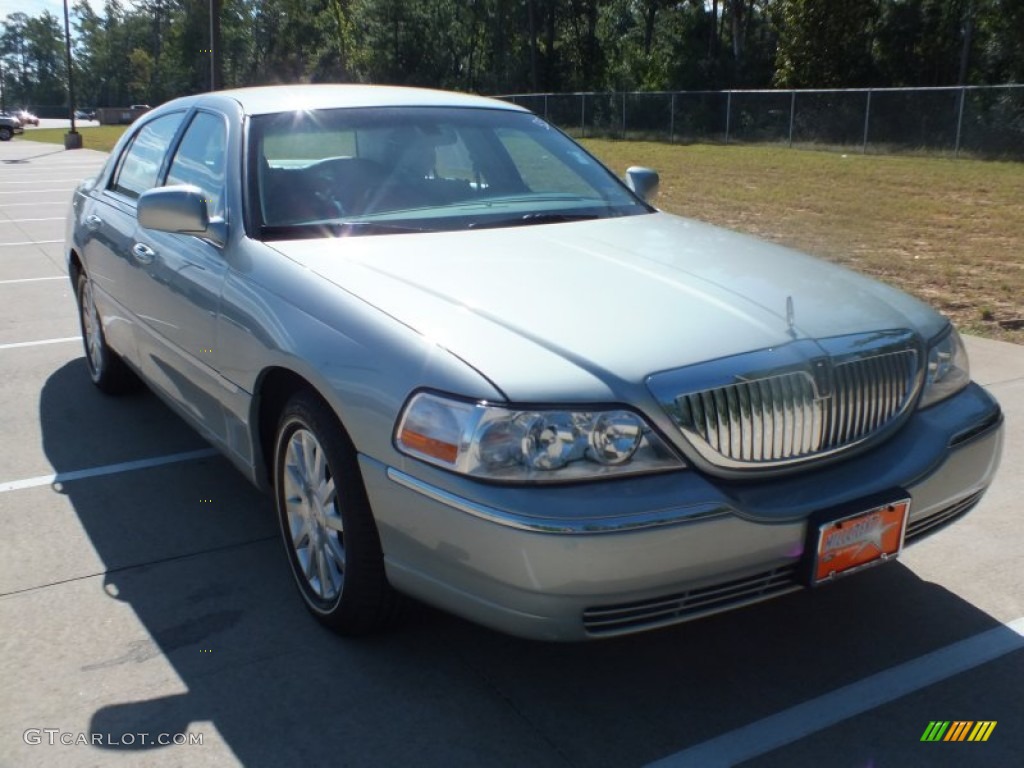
(825, 44)
(141, 66)
(14, 49)
(999, 56)
(923, 42)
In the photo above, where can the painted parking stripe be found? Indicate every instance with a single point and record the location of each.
(22, 221)
(40, 342)
(44, 181)
(32, 242)
(109, 469)
(800, 721)
(32, 279)
(11, 166)
(17, 205)
(65, 190)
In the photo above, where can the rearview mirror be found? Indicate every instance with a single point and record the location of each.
(643, 181)
(181, 209)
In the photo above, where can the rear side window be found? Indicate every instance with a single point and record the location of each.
(140, 163)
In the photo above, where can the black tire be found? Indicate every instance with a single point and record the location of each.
(330, 539)
(5, 133)
(106, 369)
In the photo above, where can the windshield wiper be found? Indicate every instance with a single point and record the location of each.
(334, 229)
(533, 218)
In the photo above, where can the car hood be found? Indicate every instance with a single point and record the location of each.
(587, 310)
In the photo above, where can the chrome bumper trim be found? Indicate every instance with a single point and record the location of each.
(561, 525)
(691, 604)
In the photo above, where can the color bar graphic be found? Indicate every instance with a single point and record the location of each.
(982, 730)
(958, 730)
(935, 731)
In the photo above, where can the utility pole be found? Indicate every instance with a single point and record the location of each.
(213, 69)
(72, 139)
(214, 44)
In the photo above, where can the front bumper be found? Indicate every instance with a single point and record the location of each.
(601, 559)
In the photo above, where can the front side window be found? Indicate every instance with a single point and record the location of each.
(401, 169)
(199, 160)
(140, 163)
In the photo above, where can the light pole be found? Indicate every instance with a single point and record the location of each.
(213, 84)
(72, 139)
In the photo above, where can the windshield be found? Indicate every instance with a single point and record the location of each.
(374, 171)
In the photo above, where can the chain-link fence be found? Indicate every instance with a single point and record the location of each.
(986, 121)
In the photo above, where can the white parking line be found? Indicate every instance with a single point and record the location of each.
(32, 242)
(20, 221)
(66, 190)
(40, 342)
(32, 279)
(44, 181)
(85, 170)
(16, 205)
(795, 723)
(108, 469)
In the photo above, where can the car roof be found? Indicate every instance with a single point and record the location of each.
(285, 98)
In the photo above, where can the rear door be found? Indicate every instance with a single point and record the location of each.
(109, 227)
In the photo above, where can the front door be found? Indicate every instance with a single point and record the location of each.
(176, 285)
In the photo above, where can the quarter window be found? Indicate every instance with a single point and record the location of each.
(140, 164)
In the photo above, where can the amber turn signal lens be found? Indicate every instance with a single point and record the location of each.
(429, 446)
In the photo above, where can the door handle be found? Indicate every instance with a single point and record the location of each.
(92, 221)
(143, 253)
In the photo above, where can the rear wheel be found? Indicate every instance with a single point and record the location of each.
(5, 133)
(329, 533)
(106, 369)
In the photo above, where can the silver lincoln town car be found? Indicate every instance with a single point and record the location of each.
(475, 367)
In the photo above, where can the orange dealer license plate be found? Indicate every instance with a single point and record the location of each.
(864, 539)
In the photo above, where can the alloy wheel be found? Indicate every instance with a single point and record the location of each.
(314, 522)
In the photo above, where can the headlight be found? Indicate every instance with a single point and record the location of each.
(529, 445)
(948, 371)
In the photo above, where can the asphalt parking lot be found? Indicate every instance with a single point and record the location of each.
(145, 598)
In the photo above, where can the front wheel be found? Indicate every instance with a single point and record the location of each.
(328, 529)
(5, 133)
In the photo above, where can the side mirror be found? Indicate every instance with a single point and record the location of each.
(179, 209)
(643, 181)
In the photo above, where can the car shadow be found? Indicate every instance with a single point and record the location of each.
(192, 549)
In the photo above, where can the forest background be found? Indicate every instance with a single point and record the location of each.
(149, 51)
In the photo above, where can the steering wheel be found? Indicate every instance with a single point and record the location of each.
(343, 185)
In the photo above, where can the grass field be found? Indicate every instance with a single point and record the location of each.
(99, 137)
(948, 231)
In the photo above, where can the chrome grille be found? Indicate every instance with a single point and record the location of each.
(798, 410)
(868, 393)
(771, 418)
